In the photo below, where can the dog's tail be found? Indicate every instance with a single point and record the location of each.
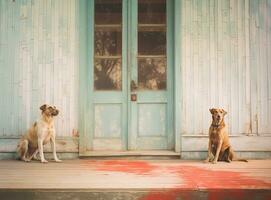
(239, 159)
(20, 149)
(234, 157)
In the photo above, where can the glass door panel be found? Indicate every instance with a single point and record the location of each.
(151, 107)
(108, 45)
(109, 76)
(151, 45)
(129, 41)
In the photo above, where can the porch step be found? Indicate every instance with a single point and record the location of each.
(184, 194)
(131, 155)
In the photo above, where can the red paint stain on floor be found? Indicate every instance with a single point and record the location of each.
(195, 177)
(134, 167)
(191, 178)
(169, 195)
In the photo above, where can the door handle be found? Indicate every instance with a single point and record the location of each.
(133, 97)
(133, 86)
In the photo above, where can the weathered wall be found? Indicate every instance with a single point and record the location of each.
(226, 52)
(38, 63)
(225, 62)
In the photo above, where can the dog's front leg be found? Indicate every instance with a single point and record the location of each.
(217, 151)
(209, 152)
(40, 145)
(24, 149)
(34, 154)
(53, 145)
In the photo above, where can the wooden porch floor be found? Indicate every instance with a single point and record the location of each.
(166, 179)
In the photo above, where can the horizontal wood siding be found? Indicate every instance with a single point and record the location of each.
(38, 63)
(226, 52)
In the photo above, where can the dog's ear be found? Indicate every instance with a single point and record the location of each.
(43, 107)
(212, 110)
(224, 112)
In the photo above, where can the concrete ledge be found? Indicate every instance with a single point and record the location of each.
(185, 155)
(232, 194)
(239, 143)
(62, 156)
(201, 155)
(129, 153)
(63, 144)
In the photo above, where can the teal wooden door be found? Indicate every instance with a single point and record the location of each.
(151, 106)
(108, 85)
(130, 76)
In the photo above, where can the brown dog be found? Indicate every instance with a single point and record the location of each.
(219, 148)
(40, 133)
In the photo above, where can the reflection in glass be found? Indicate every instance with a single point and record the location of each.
(108, 11)
(151, 43)
(152, 73)
(107, 74)
(152, 11)
(108, 45)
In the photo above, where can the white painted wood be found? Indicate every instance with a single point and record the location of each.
(63, 144)
(226, 63)
(268, 13)
(39, 63)
(239, 143)
(225, 55)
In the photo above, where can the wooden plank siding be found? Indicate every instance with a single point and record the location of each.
(38, 63)
(226, 63)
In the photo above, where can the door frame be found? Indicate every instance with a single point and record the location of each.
(85, 102)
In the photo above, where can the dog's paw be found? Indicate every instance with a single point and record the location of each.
(44, 161)
(214, 161)
(36, 158)
(57, 160)
(206, 161)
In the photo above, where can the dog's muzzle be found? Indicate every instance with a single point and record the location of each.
(55, 113)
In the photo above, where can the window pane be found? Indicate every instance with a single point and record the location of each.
(151, 43)
(152, 11)
(108, 11)
(152, 73)
(107, 74)
(108, 43)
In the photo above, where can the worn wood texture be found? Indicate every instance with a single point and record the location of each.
(239, 143)
(225, 54)
(225, 61)
(136, 175)
(38, 63)
(64, 144)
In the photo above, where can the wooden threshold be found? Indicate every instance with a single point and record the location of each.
(128, 153)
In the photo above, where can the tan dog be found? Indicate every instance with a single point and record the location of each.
(219, 148)
(41, 132)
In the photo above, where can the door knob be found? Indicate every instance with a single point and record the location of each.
(133, 85)
(133, 97)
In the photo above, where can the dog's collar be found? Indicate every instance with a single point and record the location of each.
(215, 126)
